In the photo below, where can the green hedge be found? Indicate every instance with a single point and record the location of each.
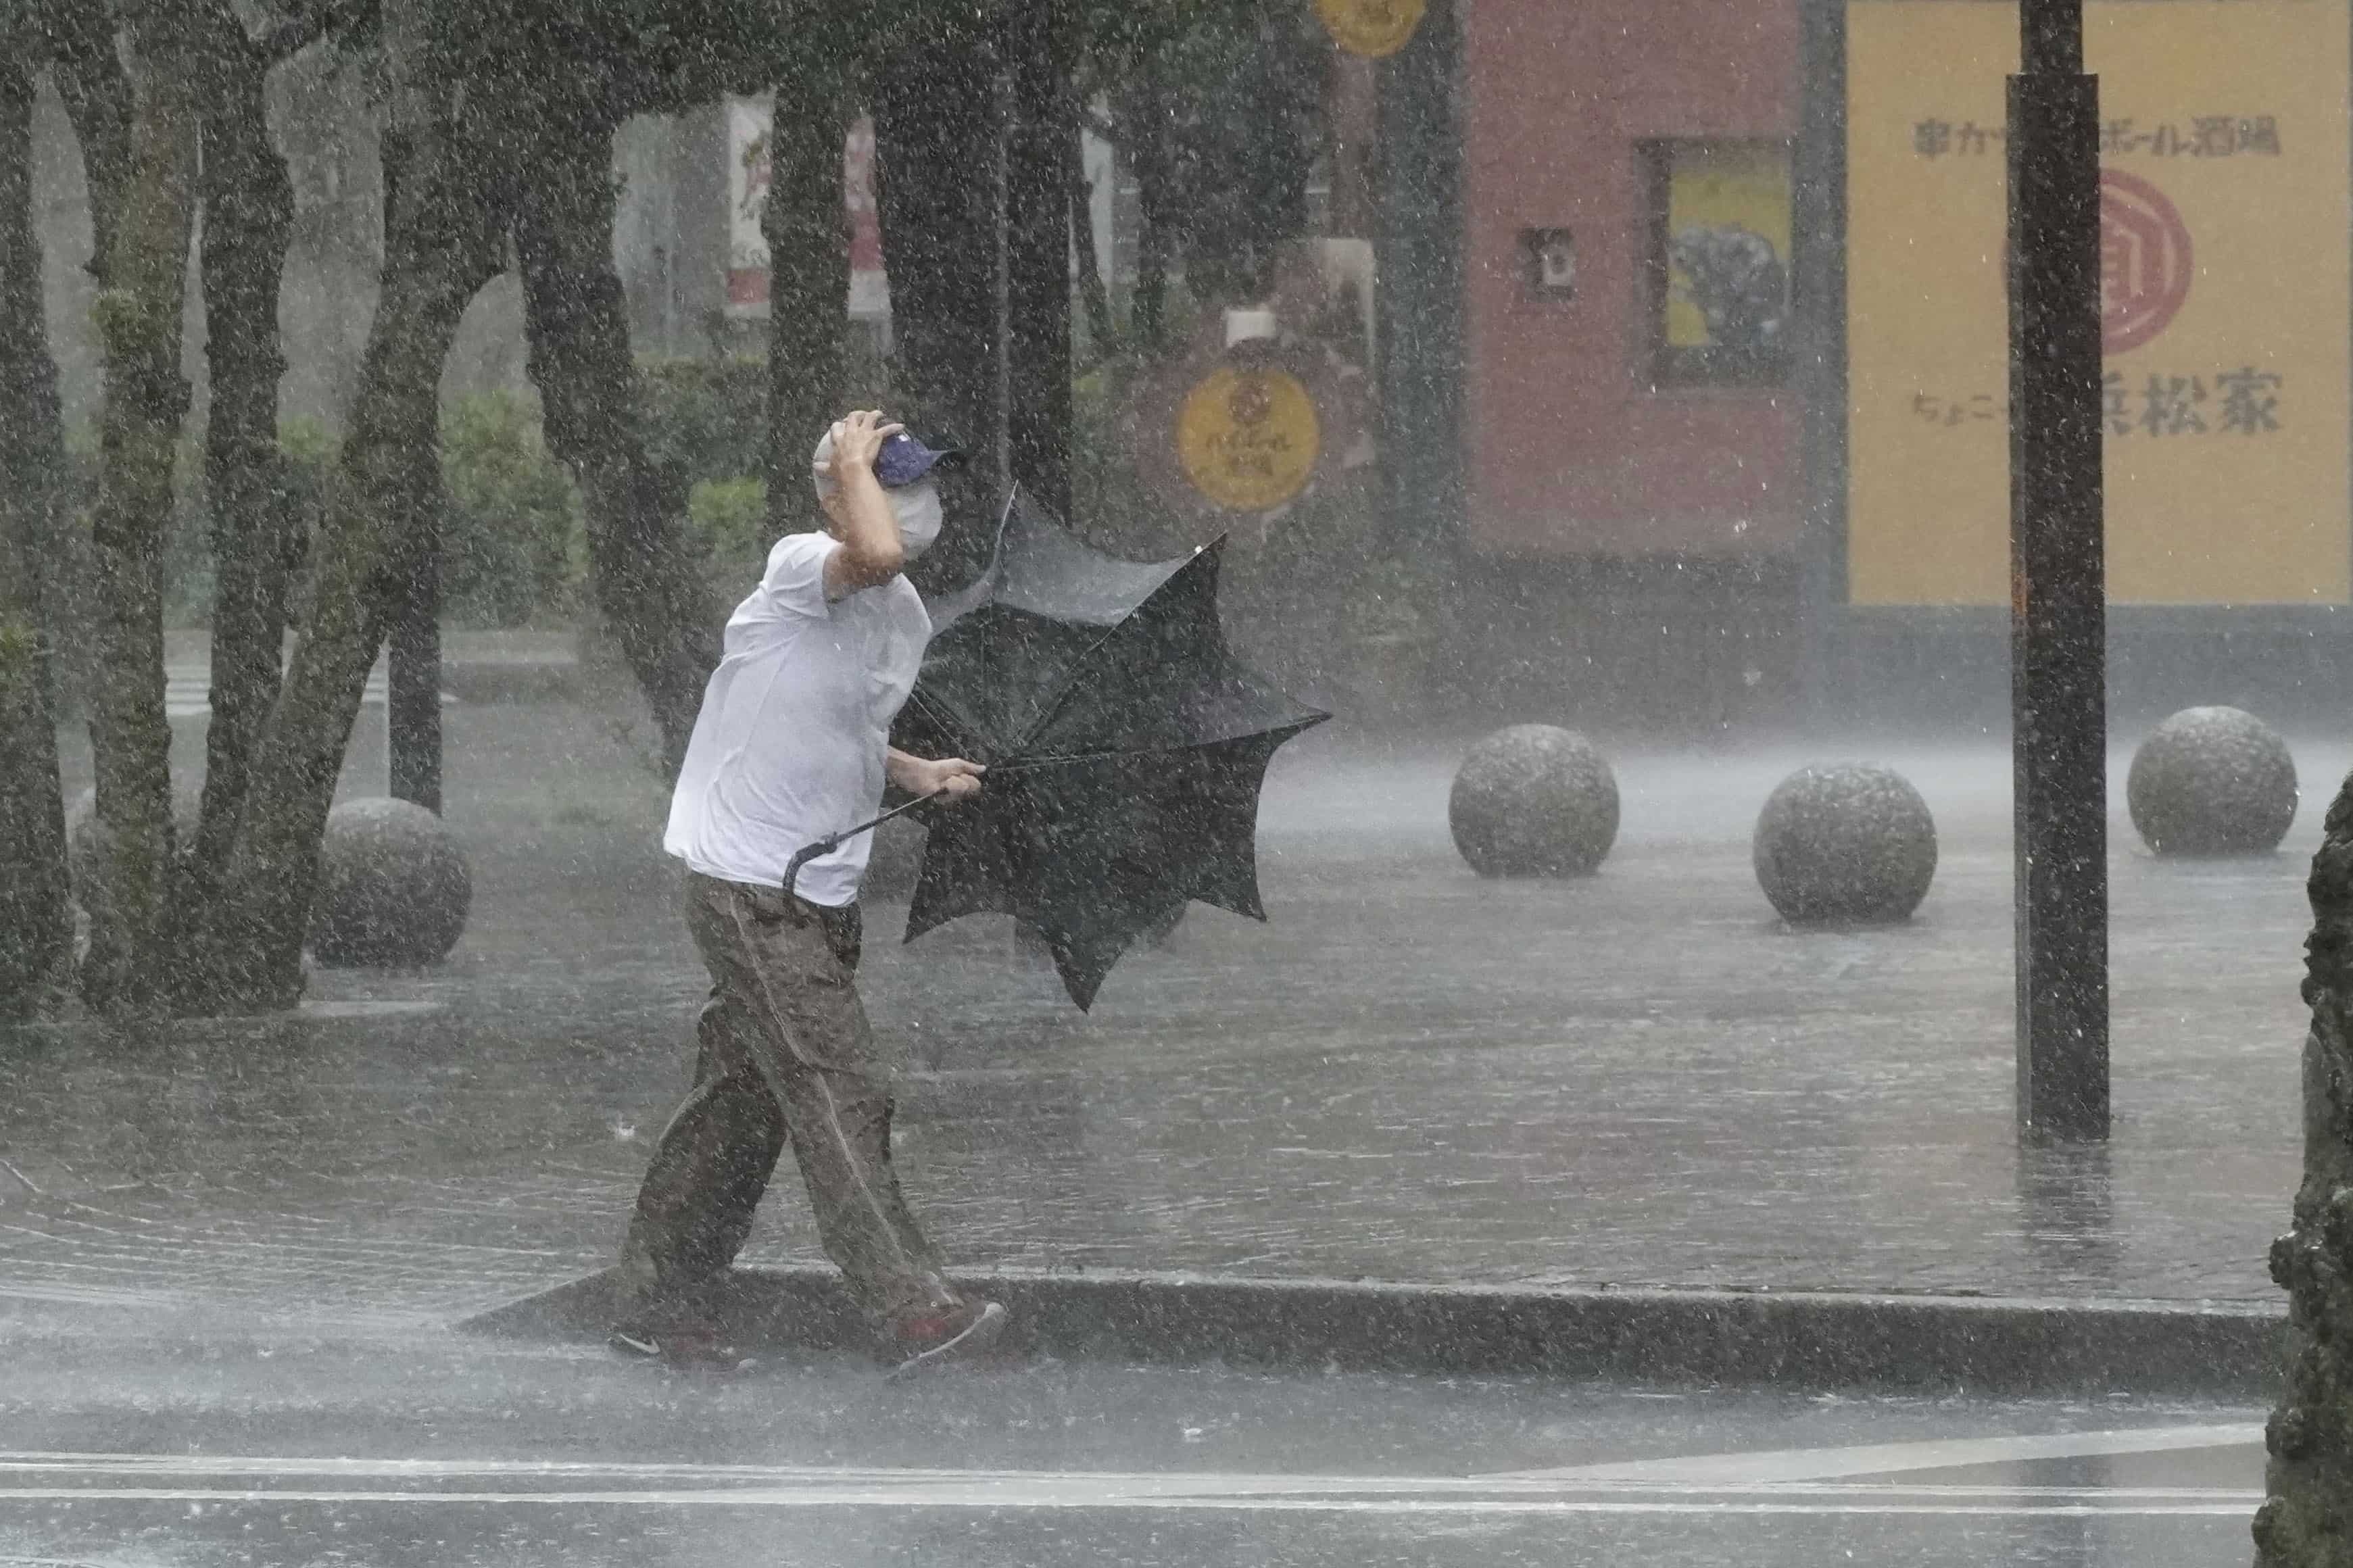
(513, 529)
(707, 419)
(727, 526)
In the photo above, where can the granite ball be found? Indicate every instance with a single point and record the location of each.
(1534, 801)
(1846, 845)
(394, 889)
(2212, 781)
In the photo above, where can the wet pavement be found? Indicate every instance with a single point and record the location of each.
(1409, 1075)
(200, 1439)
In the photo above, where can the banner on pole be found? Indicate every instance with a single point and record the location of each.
(748, 123)
(2226, 193)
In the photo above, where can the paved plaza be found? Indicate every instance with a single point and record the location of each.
(230, 1252)
(1409, 1074)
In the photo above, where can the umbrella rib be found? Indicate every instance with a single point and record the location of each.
(1029, 764)
(949, 718)
(1078, 665)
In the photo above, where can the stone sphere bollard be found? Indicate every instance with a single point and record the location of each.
(394, 889)
(2212, 781)
(1850, 844)
(1534, 801)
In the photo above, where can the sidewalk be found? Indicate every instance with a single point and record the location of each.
(1411, 1074)
(475, 666)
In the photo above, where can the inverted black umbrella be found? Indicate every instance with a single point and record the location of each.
(1125, 746)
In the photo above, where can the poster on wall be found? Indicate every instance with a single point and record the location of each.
(2224, 261)
(748, 122)
(1723, 252)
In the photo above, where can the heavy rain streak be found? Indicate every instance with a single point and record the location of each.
(1175, 783)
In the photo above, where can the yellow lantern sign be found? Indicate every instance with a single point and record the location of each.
(1249, 438)
(1372, 29)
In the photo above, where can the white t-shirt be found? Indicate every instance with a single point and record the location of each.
(789, 745)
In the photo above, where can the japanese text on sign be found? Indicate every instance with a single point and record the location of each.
(2198, 136)
(2242, 402)
(1249, 440)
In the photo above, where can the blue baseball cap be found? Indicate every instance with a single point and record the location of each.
(903, 460)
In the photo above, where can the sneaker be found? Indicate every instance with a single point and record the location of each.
(675, 1341)
(927, 1340)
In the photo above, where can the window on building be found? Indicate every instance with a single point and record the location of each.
(1719, 262)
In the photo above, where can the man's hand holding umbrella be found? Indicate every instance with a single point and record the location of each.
(945, 780)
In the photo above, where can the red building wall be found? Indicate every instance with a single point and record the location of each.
(1571, 451)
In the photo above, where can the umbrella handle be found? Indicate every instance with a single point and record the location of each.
(828, 846)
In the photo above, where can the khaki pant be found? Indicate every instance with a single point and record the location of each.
(787, 1057)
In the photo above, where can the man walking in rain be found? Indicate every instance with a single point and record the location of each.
(790, 749)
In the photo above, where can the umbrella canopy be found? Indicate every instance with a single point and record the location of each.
(1125, 746)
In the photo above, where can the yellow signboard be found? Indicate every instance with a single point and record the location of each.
(1374, 28)
(1249, 440)
(2225, 302)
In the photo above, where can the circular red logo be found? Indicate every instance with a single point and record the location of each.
(2145, 262)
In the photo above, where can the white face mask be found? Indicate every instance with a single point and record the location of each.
(917, 507)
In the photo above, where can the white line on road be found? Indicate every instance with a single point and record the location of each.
(213, 1479)
(1889, 1458)
(187, 692)
(1177, 1482)
(995, 1498)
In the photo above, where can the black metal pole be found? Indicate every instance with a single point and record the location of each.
(1418, 297)
(2058, 588)
(1819, 278)
(413, 689)
(1040, 143)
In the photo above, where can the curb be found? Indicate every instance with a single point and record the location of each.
(485, 680)
(1806, 1340)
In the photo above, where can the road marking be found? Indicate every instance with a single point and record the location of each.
(997, 1501)
(994, 1499)
(1890, 1458)
(396, 1469)
(187, 692)
(244, 1478)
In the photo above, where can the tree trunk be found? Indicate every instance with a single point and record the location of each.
(79, 44)
(1093, 291)
(936, 179)
(36, 928)
(1143, 118)
(2308, 1518)
(97, 97)
(805, 224)
(249, 217)
(575, 312)
(1039, 38)
(412, 655)
(138, 316)
(442, 244)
